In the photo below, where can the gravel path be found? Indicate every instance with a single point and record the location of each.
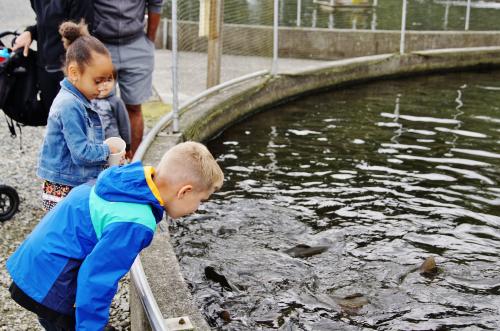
(17, 169)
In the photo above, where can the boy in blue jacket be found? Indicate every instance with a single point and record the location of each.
(67, 270)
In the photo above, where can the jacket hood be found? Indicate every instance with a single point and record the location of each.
(130, 183)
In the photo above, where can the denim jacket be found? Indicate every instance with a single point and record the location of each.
(73, 151)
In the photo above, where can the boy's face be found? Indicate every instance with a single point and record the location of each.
(186, 201)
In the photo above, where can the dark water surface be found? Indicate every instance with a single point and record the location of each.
(384, 174)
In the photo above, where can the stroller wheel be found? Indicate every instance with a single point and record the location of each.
(9, 202)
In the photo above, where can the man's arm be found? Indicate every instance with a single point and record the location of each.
(78, 10)
(154, 16)
(101, 270)
(153, 22)
(25, 39)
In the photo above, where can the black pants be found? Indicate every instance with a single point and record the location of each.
(50, 319)
(49, 83)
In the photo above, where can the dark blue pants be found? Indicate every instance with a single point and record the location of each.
(50, 326)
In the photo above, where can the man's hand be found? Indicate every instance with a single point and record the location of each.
(23, 41)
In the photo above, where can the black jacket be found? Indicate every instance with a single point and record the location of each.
(49, 15)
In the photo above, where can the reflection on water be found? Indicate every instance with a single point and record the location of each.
(333, 201)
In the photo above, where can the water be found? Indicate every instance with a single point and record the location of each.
(384, 174)
(378, 15)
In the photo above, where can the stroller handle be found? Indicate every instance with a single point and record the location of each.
(8, 33)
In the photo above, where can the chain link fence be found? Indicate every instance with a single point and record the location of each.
(221, 40)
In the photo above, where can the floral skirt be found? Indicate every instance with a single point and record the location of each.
(52, 193)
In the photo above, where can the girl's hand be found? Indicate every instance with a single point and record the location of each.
(123, 160)
(23, 41)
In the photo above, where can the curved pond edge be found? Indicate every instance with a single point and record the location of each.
(205, 117)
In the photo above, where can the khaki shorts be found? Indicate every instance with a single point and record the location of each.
(134, 63)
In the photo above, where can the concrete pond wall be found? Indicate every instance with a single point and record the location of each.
(202, 120)
(321, 43)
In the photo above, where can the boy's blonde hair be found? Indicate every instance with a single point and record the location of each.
(190, 163)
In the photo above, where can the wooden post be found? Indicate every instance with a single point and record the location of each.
(215, 42)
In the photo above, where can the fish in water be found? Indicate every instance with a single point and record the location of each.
(351, 304)
(213, 275)
(428, 268)
(303, 250)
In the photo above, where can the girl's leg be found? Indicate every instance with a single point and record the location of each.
(52, 193)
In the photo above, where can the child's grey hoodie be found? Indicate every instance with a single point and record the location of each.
(114, 117)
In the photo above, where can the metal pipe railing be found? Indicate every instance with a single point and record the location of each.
(403, 29)
(222, 86)
(175, 81)
(148, 301)
(467, 15)
(274, 66)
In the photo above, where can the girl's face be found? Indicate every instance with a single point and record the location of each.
(96, 74)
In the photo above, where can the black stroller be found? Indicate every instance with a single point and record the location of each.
(16, 99)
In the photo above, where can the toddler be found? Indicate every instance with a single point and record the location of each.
(112, 111)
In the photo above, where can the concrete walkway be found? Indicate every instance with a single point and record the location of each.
(192, 71)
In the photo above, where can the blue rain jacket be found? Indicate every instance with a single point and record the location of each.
(78, 252)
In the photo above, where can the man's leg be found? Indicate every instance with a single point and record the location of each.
(134, 62)
(136, 125)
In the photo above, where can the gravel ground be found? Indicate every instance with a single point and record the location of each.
(17, 169)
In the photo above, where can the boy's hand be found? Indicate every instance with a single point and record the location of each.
(23, 41)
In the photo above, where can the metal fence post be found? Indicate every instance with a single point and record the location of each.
(403, 29)
(175, 82)
(299, 9)
(164, 38)
(467, 16)
(274, 66)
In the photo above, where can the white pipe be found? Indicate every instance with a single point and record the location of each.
(274, 66)
(467, 16)
(403, 29)
(175, 81)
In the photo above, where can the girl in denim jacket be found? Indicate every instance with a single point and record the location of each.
(73, 150)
